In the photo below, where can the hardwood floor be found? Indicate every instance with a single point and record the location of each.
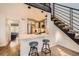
(61, 51)
(55, 51)
(8, 51)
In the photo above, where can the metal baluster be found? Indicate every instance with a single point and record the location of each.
(53, 10)
(71, 19)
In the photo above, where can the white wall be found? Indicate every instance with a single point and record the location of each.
(63, 40)
(16, 11)
(2, 32)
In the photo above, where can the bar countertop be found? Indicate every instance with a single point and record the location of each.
(32, 36)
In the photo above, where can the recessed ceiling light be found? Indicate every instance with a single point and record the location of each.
(42, 11)
(29, 7)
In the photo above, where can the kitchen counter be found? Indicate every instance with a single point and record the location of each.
(32, 36)
(26, 39)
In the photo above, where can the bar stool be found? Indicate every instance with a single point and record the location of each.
(45, 48)
(33, 49)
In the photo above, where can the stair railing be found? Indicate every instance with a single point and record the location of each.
(68, 15)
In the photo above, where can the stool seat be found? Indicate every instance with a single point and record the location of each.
(33, 44)
(45, 40)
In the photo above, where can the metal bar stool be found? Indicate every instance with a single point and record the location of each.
(33, 49)
(45, 48)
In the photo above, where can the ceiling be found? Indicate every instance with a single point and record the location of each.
(42, 6)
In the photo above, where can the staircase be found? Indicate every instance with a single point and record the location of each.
(66, 19)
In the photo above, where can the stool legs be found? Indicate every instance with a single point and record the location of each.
(45, 49)
(33, 51)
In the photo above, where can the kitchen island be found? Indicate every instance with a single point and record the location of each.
(25, 39)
